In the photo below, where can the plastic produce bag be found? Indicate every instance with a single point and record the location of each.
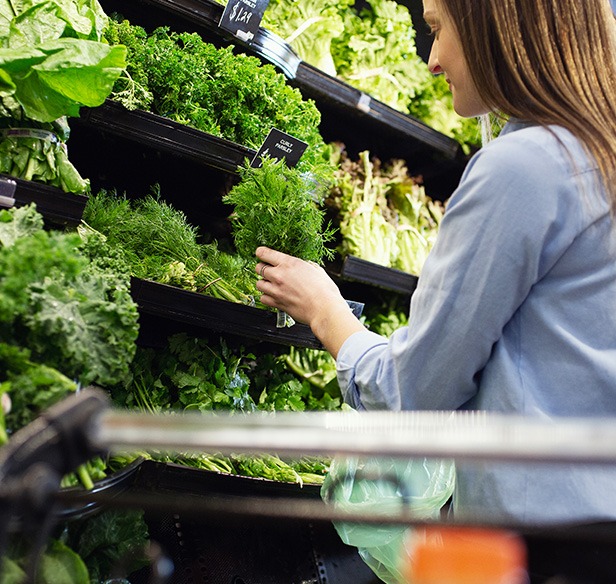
(386, 486)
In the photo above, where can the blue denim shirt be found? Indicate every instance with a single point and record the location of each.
(515, 312)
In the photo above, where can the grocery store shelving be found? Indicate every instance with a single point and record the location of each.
(212, 314)
(348, 114)
(165, 135)
(356, 269)
(57, 207)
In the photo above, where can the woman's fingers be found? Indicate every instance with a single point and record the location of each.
(269, 256)
(260, 269)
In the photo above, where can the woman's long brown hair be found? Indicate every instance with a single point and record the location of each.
(549, 62)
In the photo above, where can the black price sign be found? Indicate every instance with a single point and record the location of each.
(280, 145)
(243, 17)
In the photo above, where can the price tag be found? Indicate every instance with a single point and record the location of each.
(243, 17)
(363, 103)
(278, 145)
(7, 192)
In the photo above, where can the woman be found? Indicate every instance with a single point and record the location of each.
(515, 310)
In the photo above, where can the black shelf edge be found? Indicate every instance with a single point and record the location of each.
(208, 313)
(174, 477)
(55, 205)
(324, 87)
(165, 135)
(356, 269)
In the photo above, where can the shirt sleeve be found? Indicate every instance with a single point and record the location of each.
(503, 228)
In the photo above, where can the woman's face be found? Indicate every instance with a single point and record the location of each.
(446, 58)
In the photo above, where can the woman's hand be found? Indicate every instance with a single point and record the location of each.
(306, 293)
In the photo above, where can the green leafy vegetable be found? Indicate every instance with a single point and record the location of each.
(234, 96)
(39, 157)
(276, 206)
(191, 373)
(109, 539)
(58, 564)
(21, 222)
(32, 387)
(309, 27)
(156, 242)
(377, 53)
(315, 366)
(385, 215)
(371, 46)
(364, 226)
(62, 315)
(52, 62)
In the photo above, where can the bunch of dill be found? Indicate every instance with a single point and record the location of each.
(280, 207)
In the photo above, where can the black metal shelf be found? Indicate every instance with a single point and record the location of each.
(187, 511)
(56, 206)
(324, 88)
(165, 135)
(212, 314)
(358, 270)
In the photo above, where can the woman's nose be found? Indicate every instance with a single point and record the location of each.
(433, 64)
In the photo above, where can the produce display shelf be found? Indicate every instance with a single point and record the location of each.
(358, 270)
(203, 16)
(207, 545)
(165, 135)
(177, 478)
(56, 206)
(324, 88)
(208, 313)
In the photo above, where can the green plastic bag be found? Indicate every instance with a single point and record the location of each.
(386, 486)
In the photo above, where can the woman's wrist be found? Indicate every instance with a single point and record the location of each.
(334, 324)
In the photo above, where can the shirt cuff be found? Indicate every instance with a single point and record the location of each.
(351, 352)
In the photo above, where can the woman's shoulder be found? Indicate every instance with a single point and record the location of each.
(544, 152)
(534, 169)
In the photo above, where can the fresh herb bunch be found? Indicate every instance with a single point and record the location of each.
(158, 243)
(234, 96)
(278, 207)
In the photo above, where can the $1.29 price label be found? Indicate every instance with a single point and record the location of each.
(243, 17)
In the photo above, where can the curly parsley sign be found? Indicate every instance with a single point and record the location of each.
(279, 144)
(243, 17)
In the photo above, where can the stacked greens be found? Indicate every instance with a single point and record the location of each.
(67, 319)
(385, 215)
(372, 49)
(60, 310)
(158, 243)
(52, 62)
(208, 375)
(181, 77)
